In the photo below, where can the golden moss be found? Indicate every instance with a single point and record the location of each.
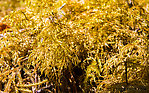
(74, 45)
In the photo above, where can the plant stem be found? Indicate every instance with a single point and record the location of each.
(126, 72)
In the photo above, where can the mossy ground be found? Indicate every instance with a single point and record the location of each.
(74, 46)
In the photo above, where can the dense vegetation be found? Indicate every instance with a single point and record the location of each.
(75, 46)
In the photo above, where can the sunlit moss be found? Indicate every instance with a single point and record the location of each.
(83, 45)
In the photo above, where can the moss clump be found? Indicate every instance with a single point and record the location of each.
(74, 46)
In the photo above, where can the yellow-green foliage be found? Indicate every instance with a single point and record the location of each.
(51, 37)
